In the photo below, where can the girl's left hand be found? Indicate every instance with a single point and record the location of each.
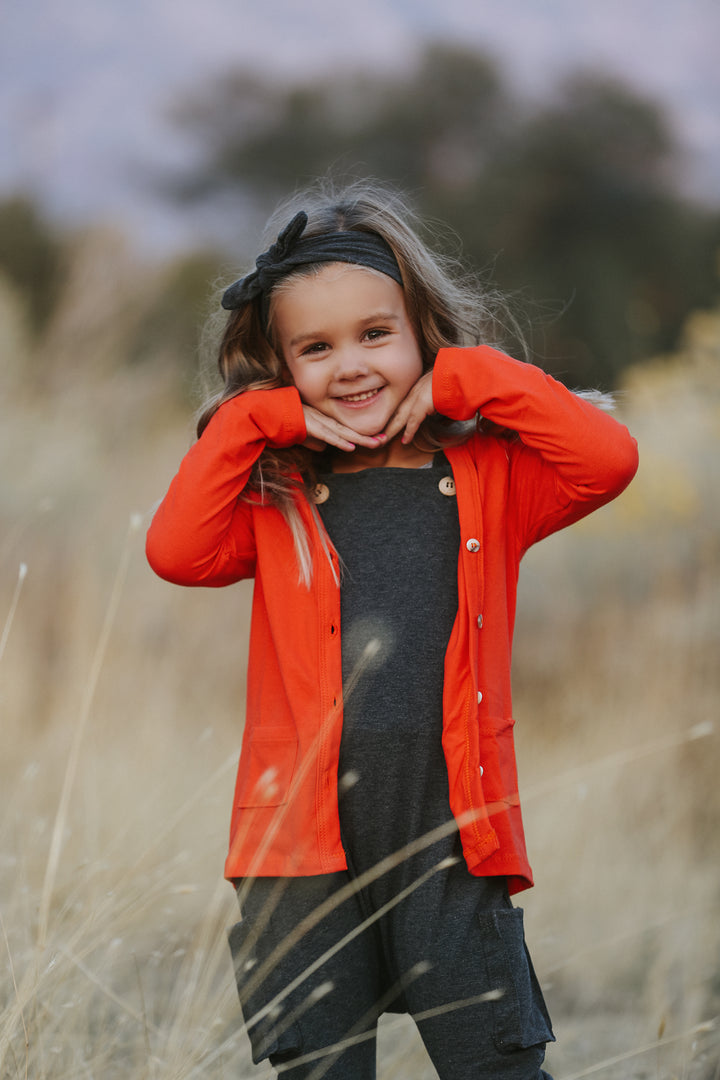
(412, 410)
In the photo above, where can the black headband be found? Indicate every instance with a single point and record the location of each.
(289, 251)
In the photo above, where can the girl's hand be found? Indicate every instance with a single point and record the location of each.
(323, 431)
(412, 410)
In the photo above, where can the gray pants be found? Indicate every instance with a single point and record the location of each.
(311, 1000)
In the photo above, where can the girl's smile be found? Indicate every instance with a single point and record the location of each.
(347, 340)
(360, 399)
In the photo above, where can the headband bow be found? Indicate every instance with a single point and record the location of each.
(291, 250)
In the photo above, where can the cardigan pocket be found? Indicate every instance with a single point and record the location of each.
(520, 1017)
(267, 765)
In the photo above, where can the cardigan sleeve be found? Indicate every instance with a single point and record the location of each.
(570, 457)
(202, 531)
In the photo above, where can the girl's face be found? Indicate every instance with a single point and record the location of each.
(346, 337)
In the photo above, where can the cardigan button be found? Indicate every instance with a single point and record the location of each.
(479, 696)
(321, 493)
(472, 544)
(480, 770)
(447, 485)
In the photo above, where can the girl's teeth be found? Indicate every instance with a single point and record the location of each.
(360, 397)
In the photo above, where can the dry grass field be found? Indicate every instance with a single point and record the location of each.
(121, 702)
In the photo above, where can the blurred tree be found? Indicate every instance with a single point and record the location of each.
(435, 128)
(32, 258)
(573, 203)
(580, 205)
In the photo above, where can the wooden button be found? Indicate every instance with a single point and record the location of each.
(321, 493)
(447, 485)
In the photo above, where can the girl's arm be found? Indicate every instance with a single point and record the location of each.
(202, 531)
(571, 457)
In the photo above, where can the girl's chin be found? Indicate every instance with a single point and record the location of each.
(371, 422)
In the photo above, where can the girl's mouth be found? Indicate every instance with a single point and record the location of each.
(361, 398)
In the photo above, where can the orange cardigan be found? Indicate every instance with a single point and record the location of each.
(569, 458)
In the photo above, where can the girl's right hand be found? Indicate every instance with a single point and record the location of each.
(323, 431)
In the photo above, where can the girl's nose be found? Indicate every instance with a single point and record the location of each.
(351, 363)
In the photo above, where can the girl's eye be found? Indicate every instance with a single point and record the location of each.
(315, 349)
(375, 334)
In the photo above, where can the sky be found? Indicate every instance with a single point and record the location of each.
(86, 86)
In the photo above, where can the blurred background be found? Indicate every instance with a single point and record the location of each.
(570, 156)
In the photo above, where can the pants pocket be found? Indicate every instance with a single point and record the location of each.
(520, 1017)
(275, 1032)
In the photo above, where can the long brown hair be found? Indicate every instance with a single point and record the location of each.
(444, 308)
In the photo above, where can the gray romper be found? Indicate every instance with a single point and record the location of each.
(425, 934)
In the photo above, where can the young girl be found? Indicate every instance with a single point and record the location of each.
(380, 473)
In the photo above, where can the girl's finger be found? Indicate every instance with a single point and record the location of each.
(331, 432)
(397, 422)
(412, 426)
(329, 437)
(413, 420)
(413, 410)
(353, 438)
